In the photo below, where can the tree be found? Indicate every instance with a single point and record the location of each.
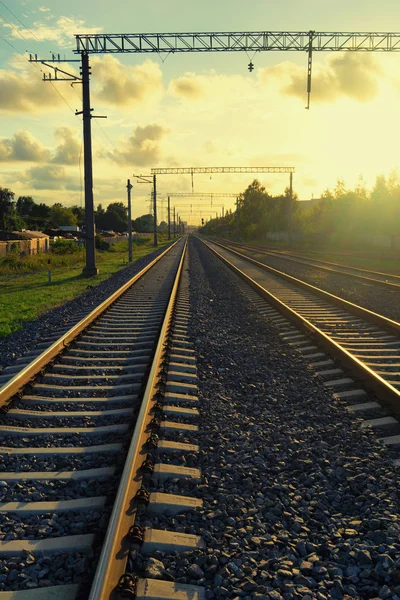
(79, 212)
(143, 224)
(7, 208)
(61, 215)
(115, 218)
(40, 216)
(25, 206)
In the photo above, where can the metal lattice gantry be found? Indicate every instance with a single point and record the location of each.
(201, 195)
(238, 41)
(193, 170)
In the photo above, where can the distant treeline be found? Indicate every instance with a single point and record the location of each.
(340, 215)
(25, 213)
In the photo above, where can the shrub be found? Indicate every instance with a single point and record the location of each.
(64, 247)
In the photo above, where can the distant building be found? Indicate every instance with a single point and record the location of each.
(71, 228)
(25, 242)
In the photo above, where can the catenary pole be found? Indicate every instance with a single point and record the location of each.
(155, 208)
(237, 219)
(169, 217)
(129, 187)
(90, 268)
(174, 223)
(290, 224)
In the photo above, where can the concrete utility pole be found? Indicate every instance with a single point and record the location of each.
(90, 268)
(174, 223)
(237, 219)
(155, 209)
(290, 223)
(169, 217)
(129, 187)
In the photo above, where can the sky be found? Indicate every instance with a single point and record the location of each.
(195, 109)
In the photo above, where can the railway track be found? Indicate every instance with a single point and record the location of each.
(81, 426)
(388, 280)
(365, 344)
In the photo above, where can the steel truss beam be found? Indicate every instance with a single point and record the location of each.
(256, 41)
(201, 195)
(188, 207)
(191, 170)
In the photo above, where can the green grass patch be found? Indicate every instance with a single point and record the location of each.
(24, 289)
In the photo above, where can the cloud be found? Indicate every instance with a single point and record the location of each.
(50, 177)
(69, 150)
(26, 92)
(61, 31)
(348, 75)
(44, 9)
(186, 87)
(123, 85)
(141, 149)
(22, 147)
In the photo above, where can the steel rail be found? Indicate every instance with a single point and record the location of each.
(115, 551)
(14, 385)
(365, 313)
(297, 259)
(384, 390)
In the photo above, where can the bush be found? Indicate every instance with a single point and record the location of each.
(64, 247)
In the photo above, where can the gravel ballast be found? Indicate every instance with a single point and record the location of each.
(377, 298)
(299, 501)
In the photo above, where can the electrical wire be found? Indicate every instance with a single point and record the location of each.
(49, 81)
(27, 59)
(19, 21)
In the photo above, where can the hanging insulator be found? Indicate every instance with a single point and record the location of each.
(250, 66)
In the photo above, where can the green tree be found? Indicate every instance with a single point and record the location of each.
(60, 215)
(79, 212)
(143, 224)
(7, 208)
(114, 218)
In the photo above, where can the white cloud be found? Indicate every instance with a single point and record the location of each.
(142, 148)
(23, 91)
(350, 75)
(50, 177)
(119, 84)
(22, 147)
(69, 150)
(61, 31)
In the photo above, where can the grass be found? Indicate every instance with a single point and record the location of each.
(25, 292)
